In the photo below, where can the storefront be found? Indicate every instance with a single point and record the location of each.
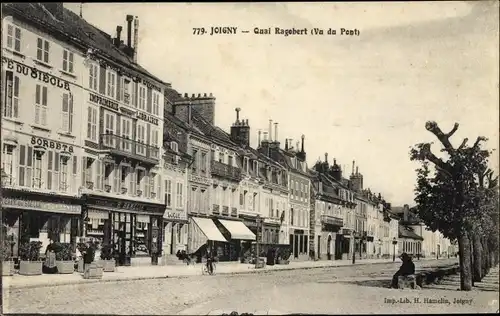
(204, 235)
(238, 235)
(175, 227)
(33, 216)
(346, 242)
(332, 242)
(132, 228)
(299, 242)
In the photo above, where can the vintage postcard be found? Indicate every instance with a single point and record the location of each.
(250, 158)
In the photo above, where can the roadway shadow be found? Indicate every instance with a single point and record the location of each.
(379, 282)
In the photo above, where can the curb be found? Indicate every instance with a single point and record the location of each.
(260, 271)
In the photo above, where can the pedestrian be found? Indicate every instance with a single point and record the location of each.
(407, 268)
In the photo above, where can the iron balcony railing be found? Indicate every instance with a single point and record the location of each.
(225, 171)
(225, 210)
(332, 220)
(123, 145)
(215, 209)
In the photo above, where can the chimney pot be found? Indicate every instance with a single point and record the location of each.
(334, 161)
(210, 94)
(326, 157)
(303, 137)
(357, 170)
(237, 114)
(185, 95)
(199, 95)
(204, 95)
(129, 19)
(193, 95)
(258, 144)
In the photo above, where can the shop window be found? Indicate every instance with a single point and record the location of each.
(142, 238)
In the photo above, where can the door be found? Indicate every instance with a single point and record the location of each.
(329, 247)
(319, 247)
(296, 246)
(338, 247)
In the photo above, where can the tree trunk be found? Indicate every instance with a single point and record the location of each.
(478, 256)
(484, 258)
(465, 262)
(472, 272)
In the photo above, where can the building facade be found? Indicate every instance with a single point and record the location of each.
(41, 138)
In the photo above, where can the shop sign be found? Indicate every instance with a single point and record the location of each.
(147, 118)
(130, 206)
(173, 215)
(51, 144)
(299, 232)
(103, 101)
(35, 73)
(40, 205)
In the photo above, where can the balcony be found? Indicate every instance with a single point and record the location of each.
(332, 220)
(225, 210)
(234, 212)
(226, 171)
(215, 209)
(127, 148)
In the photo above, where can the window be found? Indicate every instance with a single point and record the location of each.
(156, 103)
(125, 171)
(154, 138)
(179, 233)
(67, 113)
(291, 216)
(195, 159)
(126, 130)
(221, 157)
(111, 84)
(7, 162)
(14, 38)
(11, 108)
(179, 203)
(41, 105)
(68, 61)
(92, 123)
(203, 162)
(174, 146)
(142, 98)
(230, 160)
(42, 52)
(168, 193)
(242, 199)
(63, 175)
(93, 75)
(109, 128)
(37, 168)
(126, 90)
(141, 139)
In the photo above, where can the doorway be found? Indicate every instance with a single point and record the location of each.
(338, 247)
(319, 247)
(329, 247)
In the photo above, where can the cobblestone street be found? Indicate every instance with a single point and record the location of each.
(324, 290)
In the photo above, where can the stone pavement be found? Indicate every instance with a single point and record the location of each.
(161, 272)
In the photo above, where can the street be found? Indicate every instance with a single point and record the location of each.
(341, 290)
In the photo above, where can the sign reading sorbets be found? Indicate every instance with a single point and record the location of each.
(51, 144)
(40, 205)
(35, 73)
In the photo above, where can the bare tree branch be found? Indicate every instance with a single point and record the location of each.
(478, 140)
(426, 153)
(464, 142)
(433, 127)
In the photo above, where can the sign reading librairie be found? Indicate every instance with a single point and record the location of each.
(41, 205)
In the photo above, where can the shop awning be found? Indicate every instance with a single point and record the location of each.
(238, 230)
(207, 226)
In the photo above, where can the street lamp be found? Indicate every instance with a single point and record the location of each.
(257, 251)
(380, 247)
(394, 242)
(353, 247)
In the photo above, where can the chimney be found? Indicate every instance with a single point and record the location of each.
(405, 212)
(258, 144)
(326, 157)
(276, 132)
(130, 18)
(189, 114)
(270, 130)
(334, 161)
(265, 137)
(119, 29)
(136, 38)
(357, 170)
(353, 167)
(303, 137)
(237, 114)
(286, 144)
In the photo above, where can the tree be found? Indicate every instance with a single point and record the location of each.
(449, 197)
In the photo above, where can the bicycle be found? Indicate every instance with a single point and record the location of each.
(204, 268)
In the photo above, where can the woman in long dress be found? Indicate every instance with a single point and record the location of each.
(49, 265)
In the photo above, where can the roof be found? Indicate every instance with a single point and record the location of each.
(78, 30)
(406, 232)
(210, 130)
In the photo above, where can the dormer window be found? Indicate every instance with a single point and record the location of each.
(255, 166)
(245, 164)
(269, 173)
(294, 162)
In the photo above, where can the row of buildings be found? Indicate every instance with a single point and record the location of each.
(94, 145)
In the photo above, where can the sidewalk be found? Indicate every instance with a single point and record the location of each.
(161, 272)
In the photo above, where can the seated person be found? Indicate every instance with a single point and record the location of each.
(407, 268)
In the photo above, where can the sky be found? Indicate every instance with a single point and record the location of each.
(364, 98)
